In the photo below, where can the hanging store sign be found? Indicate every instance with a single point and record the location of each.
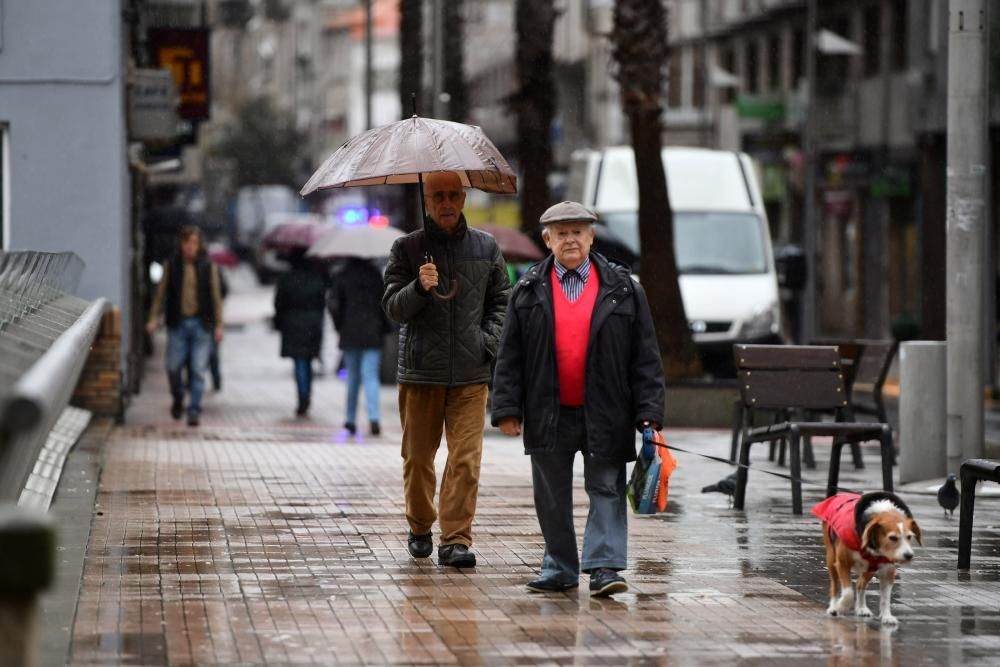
(152, 105)
(185, 53)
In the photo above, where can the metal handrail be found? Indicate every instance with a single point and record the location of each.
(45, 339)
(30, 279)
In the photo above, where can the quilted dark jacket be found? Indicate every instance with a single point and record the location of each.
(623, 383)
(447, 342)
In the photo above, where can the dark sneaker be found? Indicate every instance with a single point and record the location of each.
(456, 555)
(351, 427)
(376, 429)
(605, 582)
(550, 585)
(193, 420)
(177, 409)
(420, 546)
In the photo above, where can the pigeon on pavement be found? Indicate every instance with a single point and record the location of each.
(726, 485)
(949, 496)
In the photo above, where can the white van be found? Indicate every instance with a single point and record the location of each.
(721, 237)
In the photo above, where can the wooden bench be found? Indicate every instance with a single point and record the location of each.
(791, 377)
(971, 472)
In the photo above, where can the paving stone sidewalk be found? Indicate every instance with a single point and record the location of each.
(259, 538)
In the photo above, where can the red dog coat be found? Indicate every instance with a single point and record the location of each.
(839, 513)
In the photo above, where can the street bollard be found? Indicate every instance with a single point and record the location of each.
(27, 567)
(922, 407)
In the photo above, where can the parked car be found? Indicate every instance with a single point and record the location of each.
(721, 238)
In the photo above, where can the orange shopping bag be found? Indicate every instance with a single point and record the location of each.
(653, 440)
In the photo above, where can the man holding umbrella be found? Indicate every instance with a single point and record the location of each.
(578, 370)
(446, 347)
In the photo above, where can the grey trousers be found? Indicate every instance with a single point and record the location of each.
(605, 538)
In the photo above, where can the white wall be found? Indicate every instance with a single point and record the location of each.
(61, 98)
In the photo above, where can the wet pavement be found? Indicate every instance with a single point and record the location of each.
(259, 538)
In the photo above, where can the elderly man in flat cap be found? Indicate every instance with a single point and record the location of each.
(578, 370)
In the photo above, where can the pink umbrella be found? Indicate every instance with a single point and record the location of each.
(293, 234)
(515, 245)
(221, 255)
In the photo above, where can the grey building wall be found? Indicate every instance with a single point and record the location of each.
(62, 102)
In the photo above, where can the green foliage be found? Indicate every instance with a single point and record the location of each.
(265, 146)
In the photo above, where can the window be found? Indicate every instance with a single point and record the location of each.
(774, 62)
(871, 40)
(674, 80)
(798, 55)
(727, 59)
(753, 66)
(899, 34)
(831, 70)
(4, 188)
(698, 94)
(696, 241)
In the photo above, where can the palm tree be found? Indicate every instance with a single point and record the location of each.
(454, 61)
(411, 48)
(534, 104)
(639, 44)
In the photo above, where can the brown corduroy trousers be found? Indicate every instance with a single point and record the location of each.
(426, 411)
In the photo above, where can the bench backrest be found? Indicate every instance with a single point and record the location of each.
(790, 376)
(851, 353)
(876, 359)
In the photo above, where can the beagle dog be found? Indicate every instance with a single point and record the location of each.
(871, 535)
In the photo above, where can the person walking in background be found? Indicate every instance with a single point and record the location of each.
(190, 294)
(355, 303)
(299, 300)
(445, 351)
(214, 363)
(578, 369)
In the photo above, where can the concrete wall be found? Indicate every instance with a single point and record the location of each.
(61, 100)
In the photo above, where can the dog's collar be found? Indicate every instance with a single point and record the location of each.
(874, 560)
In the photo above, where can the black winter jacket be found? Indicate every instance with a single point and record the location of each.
(453, 342)
(624, 374)
(299, 300)
(355, 303)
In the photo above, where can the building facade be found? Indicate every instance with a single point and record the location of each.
(64, 180)
(737, 81)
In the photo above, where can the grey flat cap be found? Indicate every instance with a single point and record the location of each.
(567, 211)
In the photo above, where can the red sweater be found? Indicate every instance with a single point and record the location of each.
(572, 337)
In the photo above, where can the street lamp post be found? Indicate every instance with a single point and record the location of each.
(968, 146)
(808, 326)
(437, 103)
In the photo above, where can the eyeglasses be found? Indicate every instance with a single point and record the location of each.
(451, 195)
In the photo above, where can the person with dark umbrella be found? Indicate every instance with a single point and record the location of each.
(445, 349)
(578, 370)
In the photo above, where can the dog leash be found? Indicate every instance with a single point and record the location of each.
(743, 465)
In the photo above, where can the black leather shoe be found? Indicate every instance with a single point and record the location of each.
(193, 420)
(550, 585)
(302, 409)
(176, 409)
(456, 555)
(420, 546)
(605, 582)
(376, 429)
(351, 427)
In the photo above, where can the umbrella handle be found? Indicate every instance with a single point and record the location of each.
(452, 291)
(446, 296)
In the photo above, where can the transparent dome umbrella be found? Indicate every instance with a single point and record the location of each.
(402, 152)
